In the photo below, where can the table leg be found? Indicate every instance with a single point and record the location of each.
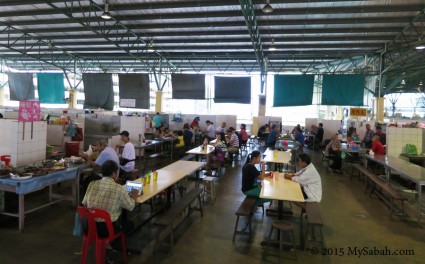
(419, 203)
(168, 204)
(76, 190)
(280, 209)
(21, 211)
(50, 193)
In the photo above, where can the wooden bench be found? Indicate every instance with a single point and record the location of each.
(246, 209)
(175, 215)
(377, 184)
(315, 221)
(188, 157)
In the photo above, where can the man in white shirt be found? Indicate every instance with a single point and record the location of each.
(128, 155)
(309, 178)
(210, 130)
(221, 128)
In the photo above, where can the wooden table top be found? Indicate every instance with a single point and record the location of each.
(165, 180)
(282, 156)
(281, 189)
(168, 176)
(199, 151)
(184, 166)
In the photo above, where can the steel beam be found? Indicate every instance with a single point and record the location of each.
(343, 9)
(35, 48)
(140, 47)
(248, 12)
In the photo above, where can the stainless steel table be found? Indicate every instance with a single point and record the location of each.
(407, 170)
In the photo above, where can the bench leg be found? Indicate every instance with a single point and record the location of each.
(236, 228)
(200, 205)
(391, 209)
(250, 227)
(372, 189)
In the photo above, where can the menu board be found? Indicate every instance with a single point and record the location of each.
(29, 111)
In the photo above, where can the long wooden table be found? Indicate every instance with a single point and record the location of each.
(167, 177)
(282, 190)
(407, 170)
(283, 157)
(198, 151)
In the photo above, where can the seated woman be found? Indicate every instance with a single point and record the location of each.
(243, 134)
(180, 140)
(250, 174)
(335, 150)
(218, 155)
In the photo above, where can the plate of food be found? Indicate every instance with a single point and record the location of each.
(39, 172)
(57, 168)
(24, 176)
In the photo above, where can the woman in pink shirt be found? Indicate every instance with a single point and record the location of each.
(243, 134)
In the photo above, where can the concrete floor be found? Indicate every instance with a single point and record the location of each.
(351, 219)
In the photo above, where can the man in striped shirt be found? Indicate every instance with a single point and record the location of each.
(232, 140)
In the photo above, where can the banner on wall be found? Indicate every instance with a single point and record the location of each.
(29, 111)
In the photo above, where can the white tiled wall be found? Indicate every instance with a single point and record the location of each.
(134, 125)
(398, 137)
(16, 141)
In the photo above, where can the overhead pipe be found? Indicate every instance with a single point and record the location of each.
(381, 57)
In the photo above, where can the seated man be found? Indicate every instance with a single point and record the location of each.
(319, 135)
(261, 131)
(210, 130)
(106, 194)
(378, 149)
(105, 153)
(187, 136)
(232, 140)
(273, 136)
(128, 155)
(309, 178)
(381, 134)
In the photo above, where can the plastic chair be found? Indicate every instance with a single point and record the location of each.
(92, 214)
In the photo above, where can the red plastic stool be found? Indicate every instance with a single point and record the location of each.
(91, 236)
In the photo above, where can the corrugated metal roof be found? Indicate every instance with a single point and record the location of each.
(192, 35)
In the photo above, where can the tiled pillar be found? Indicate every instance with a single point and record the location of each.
(158, 104)
(379, 108)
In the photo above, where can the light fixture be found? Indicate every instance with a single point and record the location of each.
(106, 14)
(267, 8)
(151, 47)
(272, 46)
(420, 47)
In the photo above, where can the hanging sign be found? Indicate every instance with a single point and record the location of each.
(354, 111)
(29, 111)
(128, 102)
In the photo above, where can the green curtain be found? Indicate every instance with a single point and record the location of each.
(51, 89)
(344, 89)
(293, 90)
